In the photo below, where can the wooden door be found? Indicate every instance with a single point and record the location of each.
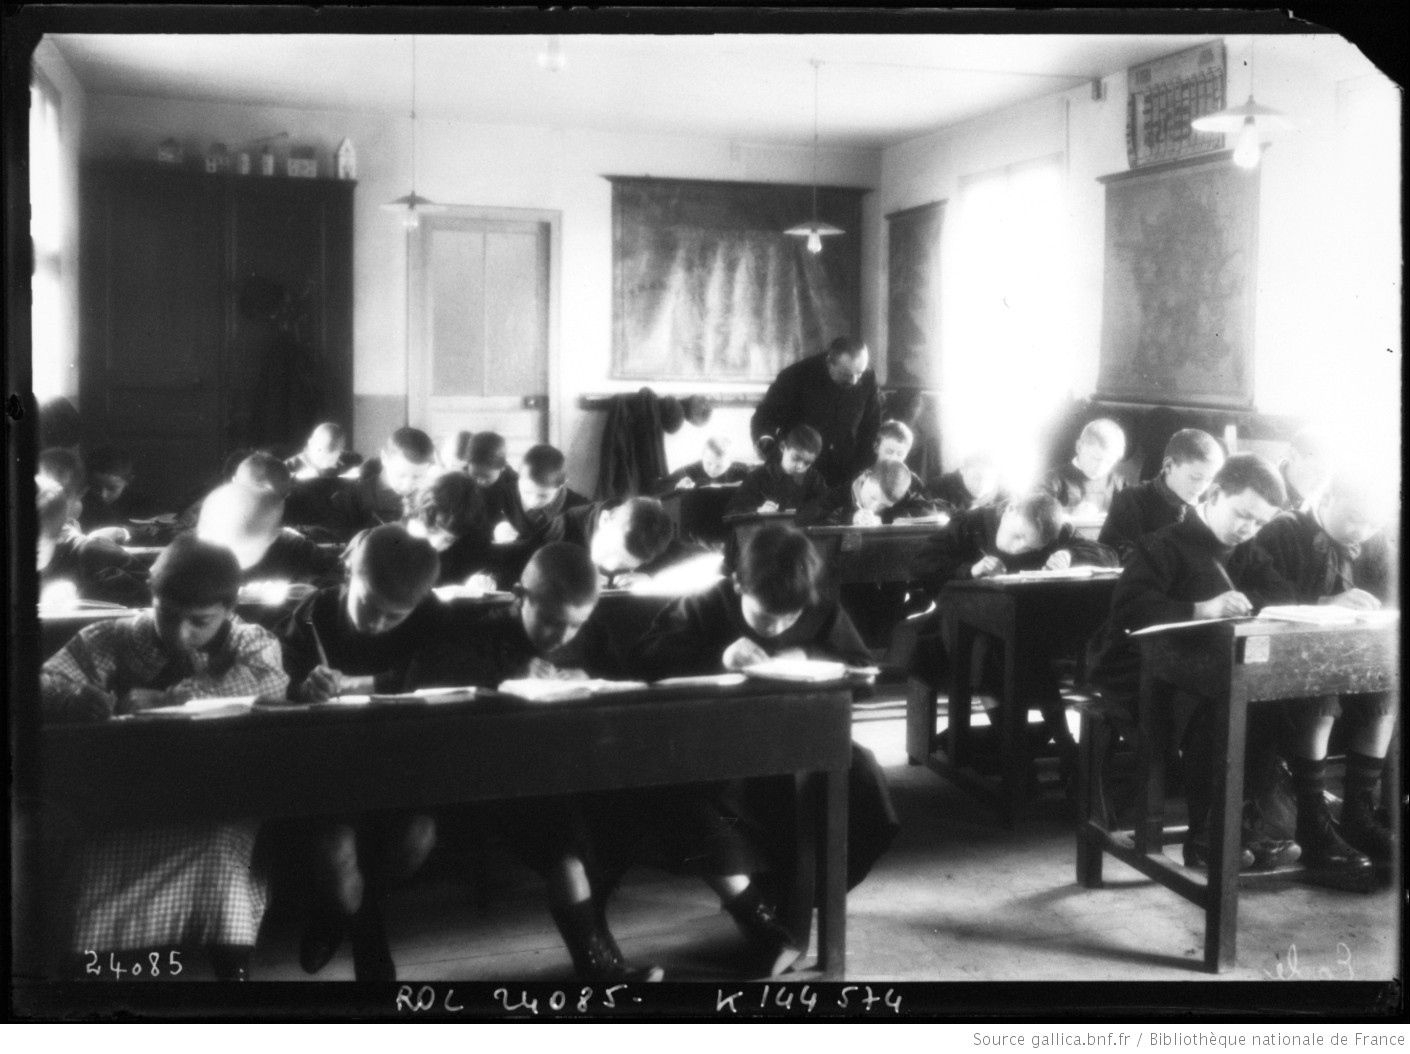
(153, 244)
(483, 324)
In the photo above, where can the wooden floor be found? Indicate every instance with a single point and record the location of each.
(958, 898)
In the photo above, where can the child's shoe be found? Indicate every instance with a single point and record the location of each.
(1364, 828)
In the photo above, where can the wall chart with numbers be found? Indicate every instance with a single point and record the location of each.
(1165, 95)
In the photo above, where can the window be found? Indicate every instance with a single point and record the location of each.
(52, 348)
(1006, 313)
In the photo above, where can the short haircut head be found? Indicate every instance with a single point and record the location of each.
(1043, 511)
(236, 513)
(194, 573)
(451, 502)
(262, 469)
(646, 528)
(110, 461)
(1190, 444)
(64, 467)
(1105, 433)
(560, 575)
(896, 430)
(1250, 472)
(53, 507)
(412, 444)
(398, 567)
(850, 347)
(332, 432)
(545, 465)
(1359, 486)
(804, 439)
(487, 449)
(780, 568)
(893, 477)
(719, 445)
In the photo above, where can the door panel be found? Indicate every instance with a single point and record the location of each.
(481, 325)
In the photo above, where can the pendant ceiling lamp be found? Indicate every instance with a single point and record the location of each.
(814, 230)
(411, 204)
(1244, 120)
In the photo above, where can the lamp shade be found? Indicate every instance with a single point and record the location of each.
(1232, 118)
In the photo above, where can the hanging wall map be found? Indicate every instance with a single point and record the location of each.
(708, 287)
(1177, 301)
(913, 283)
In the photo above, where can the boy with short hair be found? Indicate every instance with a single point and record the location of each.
(1088, 482)
(73, 566)
(547, 633)
(1308, 466)
(626, 540)
(1334, 552)
(113, 502)
(1024, 534)
(773, 607)
(363, 636)
(487, 463)
(249, 522)
(541, 496)
(974, 484)
(1192, 458)
(451, 513)
(863, 502)
(386, 484)
(324, 455)
(152, 888)
(1203, 567)
(785, 483)
(713, 469)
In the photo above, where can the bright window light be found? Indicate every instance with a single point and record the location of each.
(49, 353)
(1006, 305)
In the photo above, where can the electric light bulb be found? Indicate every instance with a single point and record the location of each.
(413, 218)
(1247, 151)
(814, 242)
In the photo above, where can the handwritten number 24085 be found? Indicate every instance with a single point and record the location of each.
(152, 967)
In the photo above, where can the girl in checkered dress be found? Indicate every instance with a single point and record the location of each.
(140, 889)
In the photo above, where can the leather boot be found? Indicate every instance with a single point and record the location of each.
(595, 954)
(372, 954)
(768, 938)
(1322, 848)
(1363, 827)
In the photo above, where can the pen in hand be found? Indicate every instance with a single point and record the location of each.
(323, 657)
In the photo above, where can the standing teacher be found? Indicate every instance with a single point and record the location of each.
(834, 392)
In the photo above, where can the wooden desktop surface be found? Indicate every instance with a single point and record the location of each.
(1233, 665)
(311, 760)
(1063, 613)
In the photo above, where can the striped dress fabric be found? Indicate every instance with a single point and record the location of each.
(150, 887)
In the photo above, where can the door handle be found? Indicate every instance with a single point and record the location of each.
(535, 402)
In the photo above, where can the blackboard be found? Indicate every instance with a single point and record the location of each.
(913, 295)
(706, 286)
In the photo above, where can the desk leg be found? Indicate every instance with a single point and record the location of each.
(832, 919)
(961, 695)
(806, 854)
(1154, 705)
(921, 709)
(1013, 739)
(1221, 917)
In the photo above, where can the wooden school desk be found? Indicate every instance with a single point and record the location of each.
(852, 555)
(699, 512)
(312, 761)
(1235, 666)
(1015, 610)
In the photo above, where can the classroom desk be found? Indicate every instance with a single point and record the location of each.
(852, 555)
(1012, 610)
(1235, 666)
(699, 512)
(311, 761)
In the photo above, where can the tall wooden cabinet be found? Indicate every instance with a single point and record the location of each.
(217, 315)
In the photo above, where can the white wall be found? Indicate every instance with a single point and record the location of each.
(72, 118)
(1328, 297)
(496, 166)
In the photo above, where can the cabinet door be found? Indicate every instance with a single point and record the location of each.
(153, 245)
(289, 365)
